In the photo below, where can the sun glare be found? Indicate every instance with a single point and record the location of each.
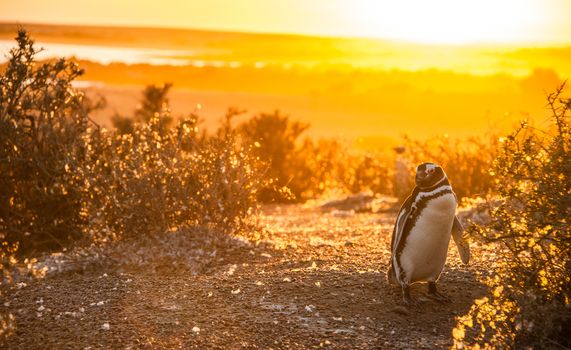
(448, 21)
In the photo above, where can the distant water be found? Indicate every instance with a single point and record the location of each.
(470, 60)
(408, 60)
(109, 54)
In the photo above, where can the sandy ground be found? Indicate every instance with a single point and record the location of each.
(315, 280)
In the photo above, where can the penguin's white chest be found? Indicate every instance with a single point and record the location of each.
(426, 247)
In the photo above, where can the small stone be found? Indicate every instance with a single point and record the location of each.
(105, 326)
(399, 309)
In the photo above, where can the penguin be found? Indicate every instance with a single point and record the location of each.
(421, 235)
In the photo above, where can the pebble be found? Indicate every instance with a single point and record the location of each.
(399, 309)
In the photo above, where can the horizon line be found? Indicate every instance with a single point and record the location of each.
(518, 44)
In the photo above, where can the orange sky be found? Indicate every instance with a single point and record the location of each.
(537, 22)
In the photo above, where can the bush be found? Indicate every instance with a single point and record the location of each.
(531, 279)
(328, 165)
(63, 178)
(154, 180)
(309, 168)
(154, 103)
(319, 167)
(42, 123)
(276, 135)
(7, 262)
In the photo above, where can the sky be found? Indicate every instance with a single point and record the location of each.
(537, 22)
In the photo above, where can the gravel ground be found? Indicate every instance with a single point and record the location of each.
(314, 280)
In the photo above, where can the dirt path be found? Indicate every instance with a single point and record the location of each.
(317, 280)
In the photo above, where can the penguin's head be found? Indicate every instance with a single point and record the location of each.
(428, 174)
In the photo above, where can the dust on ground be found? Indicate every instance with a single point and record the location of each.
(315, 280)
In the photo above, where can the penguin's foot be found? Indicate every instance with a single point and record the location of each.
(434, 294)
(407, 300)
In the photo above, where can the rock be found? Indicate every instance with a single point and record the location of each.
(399, 309)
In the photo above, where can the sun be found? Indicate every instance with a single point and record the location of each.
(447, 21)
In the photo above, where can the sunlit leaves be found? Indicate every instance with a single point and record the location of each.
(65, 178)
(42, 122)
(7, 325)
(531, 281)
(159, 180)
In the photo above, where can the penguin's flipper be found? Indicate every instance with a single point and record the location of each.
(461, 243)
(403, 215)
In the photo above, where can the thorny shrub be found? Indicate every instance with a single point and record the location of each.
(154, 100)
(275, 136)
(328, 165)
(42, 124)
(308, 168)
(7, 260)
(64, 178)
(153, 181)
(530, 304)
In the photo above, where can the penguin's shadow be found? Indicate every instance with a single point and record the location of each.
(460, 285)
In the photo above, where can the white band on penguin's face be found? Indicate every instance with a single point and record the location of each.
(439, 181)
(431, 166)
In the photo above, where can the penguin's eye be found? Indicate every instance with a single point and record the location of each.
(430, 171)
